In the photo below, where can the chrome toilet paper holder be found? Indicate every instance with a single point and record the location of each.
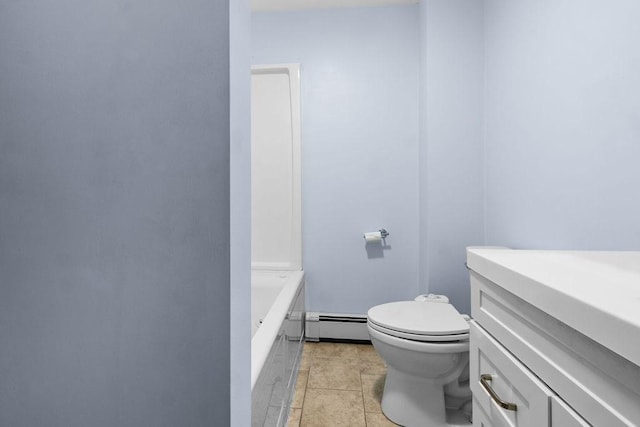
(376, 236)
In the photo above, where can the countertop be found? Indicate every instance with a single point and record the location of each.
(595, 293)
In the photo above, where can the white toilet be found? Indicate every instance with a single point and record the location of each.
(425, 344)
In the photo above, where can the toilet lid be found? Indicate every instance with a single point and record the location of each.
(419, 318)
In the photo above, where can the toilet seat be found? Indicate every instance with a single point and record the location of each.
(419, 321)
(419, 337)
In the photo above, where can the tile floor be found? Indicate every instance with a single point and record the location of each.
(339, 385)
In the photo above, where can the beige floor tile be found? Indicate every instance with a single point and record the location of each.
(370, 361)
(335, 408)
(334, 373)
(301, 385)
(294, 417)
(368, 352)
(378, 420)
(307, 355)
(372, 387)
(337, 350)
(372, 367)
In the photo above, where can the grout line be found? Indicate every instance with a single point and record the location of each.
(364, 409)
(333, 389)
(304, 398)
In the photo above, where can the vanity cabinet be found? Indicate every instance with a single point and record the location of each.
(500, 377)
(530, 368)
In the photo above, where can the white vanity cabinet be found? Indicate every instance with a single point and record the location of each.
(504, 389)
(547, 351)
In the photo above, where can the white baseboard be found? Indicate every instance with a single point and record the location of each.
(336, 326)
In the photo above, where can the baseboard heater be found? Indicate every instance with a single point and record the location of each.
(336, 327)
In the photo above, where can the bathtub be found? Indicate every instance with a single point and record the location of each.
(277, 323)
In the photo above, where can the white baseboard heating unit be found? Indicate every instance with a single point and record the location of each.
(336, 326)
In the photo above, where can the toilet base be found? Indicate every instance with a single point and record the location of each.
(411, 401)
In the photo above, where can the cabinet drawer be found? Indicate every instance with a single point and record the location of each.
(563, 416)
(511, 382)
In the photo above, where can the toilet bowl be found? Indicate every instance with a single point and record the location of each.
(425, 346)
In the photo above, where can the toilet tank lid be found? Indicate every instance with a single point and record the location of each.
(419, 317)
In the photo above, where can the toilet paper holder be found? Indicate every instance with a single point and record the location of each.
(376, 236)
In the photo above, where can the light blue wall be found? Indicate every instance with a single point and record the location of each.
(240, 207)
(563, 124)
(114, 226)
(423, 254)
(360, 146)
(451, 144)
(528, 130)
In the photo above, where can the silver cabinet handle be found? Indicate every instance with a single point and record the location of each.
(484, 381)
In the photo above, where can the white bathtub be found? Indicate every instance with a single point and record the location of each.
(277, 323)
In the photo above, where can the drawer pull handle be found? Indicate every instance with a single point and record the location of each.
(484, 381)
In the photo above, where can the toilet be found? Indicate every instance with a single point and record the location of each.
(425, 344)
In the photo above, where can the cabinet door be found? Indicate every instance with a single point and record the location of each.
(480, 419)
(498, 378)
(563, 416)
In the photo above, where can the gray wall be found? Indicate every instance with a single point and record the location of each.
(114, 187)
(359, 79)
(451, 144)
(562, 124)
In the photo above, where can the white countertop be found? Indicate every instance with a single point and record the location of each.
(595, 293)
